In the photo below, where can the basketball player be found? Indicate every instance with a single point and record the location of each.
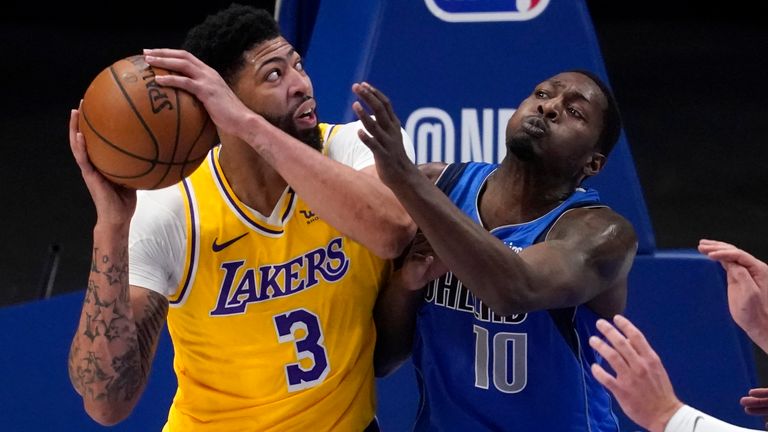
(641, 384)
(534, 260)
(270, 255)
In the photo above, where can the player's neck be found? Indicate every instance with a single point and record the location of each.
(252, 179)
(517, 192)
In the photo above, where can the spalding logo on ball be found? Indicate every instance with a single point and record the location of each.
(139, 134)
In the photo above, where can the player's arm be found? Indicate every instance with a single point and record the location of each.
(585, 259)
(356, 203)
(399, 301)
(116, 338)
(117, 333)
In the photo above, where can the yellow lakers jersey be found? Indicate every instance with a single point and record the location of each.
(272, 324)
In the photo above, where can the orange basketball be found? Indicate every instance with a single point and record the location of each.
(141, 135)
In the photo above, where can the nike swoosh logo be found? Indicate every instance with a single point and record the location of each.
(219, 247)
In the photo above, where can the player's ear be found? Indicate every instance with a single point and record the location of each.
(594, 164)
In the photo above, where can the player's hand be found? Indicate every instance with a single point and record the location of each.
(114, 204)
(747, 287)
(226, 110)
(385, 139)
(756, 403)
(421, 265)
(641, 385)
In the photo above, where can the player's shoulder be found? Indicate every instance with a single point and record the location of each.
(601, 221)
(161, 205)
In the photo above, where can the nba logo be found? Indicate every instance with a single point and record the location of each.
(486, 10)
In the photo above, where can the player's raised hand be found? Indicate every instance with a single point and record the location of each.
(747, 287)
(640, 384)
(383, 135)
(756, 403)
(227, 111)
(115, 204)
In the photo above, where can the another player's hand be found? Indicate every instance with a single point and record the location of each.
(227, 111)
(747, 287)
(114, 204)
(421, 265)
(385, 139)
(641, 385)
(756, 403)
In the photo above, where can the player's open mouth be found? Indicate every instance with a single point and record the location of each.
(305, 114)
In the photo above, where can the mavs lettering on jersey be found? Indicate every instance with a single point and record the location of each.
(278, 280)
(449, 292)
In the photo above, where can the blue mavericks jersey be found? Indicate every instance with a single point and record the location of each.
(528, 372)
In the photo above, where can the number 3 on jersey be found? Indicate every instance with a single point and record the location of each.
(309, 348)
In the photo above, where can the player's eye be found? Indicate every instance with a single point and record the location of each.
(273, 75)
(576, 113)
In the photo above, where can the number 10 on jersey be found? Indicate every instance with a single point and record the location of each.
(497, 360)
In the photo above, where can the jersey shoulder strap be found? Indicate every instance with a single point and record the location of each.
(451, 174)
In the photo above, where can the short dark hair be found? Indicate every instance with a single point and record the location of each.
(611, 116)
(223, 37)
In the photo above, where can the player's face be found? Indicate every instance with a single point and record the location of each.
(274, 84)
(559, 124)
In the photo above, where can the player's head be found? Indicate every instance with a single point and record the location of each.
(244, 45)
(569, 124)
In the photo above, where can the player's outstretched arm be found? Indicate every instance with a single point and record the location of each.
(586, 257)
(354, 202)
(641, 384)
(747, 288)
(114, 343)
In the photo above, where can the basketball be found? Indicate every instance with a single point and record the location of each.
(139, 134)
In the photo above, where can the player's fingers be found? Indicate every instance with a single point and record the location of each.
(617, 340)
(76, 140)
(180, 65)
(167, 52)
(759, 393)
(635, 336)
(370, 124)
(707, 246)
(613, 357)
(369, 141)
(180, 81)
(73, 125)
(734, 255)
(363, 91)
(756, 411)
(753, 402)
(603, 377)
(385, 102)
(709, 242)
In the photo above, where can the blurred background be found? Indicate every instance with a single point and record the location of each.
(690, 81)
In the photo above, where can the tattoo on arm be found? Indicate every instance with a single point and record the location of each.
(129, 335)
(132, 369)
(149, 328)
